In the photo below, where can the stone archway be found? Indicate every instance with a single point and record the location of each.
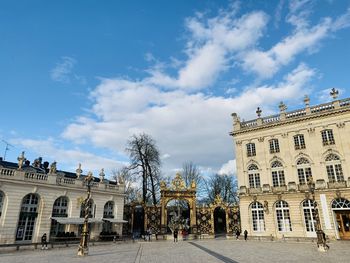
(177, 190)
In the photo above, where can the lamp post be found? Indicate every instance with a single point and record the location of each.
(321, 240)
(83, 249)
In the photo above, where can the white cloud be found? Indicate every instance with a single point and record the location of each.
(228, 168)
(63, 70)
(51, 149)
(187, 127)
(304, 38)
(278, 13)
(187, 123)
(211, 44)
(342, 22)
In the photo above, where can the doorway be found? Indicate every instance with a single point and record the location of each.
(343, 223)
(138, 227)
(219, 221)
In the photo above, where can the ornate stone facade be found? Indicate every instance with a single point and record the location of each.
(37, 199)
(289, 148)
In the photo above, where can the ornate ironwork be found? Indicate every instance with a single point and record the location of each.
(83, 249)
(153, 219)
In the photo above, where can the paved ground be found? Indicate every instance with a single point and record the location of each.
(227, 251)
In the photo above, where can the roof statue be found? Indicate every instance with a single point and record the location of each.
(21, 159)
(53, 168)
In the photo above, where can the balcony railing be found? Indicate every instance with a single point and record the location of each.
(7, 172)
(55, 179)
(277, 189)
(340, 184)
(257, 190)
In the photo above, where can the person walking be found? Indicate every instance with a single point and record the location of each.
(149, 234)
(176, 232)
(245, 234)
(237, 234)
(44, 241)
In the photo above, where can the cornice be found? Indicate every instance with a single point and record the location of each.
(288, 121)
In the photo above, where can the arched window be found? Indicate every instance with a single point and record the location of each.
(108, 210)
(304, 170)
(258, 217)
(309, 211)
(91, 209)
(254, 177)
(277, 174)
(60, 209)
(2, 197)
(27, 217)
(334, 168)
(341, 203)
(283, 217)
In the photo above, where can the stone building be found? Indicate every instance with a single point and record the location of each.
(276, 157)
(37, 198)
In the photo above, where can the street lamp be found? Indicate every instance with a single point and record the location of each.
(83, 249)
(321, 240)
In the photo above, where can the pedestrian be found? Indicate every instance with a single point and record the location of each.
(245, 234)
(176, 232)
(44, 241)
(237, 234)
(149, 234)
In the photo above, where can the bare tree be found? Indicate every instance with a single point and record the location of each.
(189, 173)
(145, 162)
(223, 185)
(132, 188)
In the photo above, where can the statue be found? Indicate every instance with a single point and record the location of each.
(162, 185)
(79, 171)
(102, 175)
(53, 168)
(37, 162)
(21, 159)
(120, 179)
(193, 184)
(266, 207)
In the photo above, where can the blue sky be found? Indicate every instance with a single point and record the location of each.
(78, 78)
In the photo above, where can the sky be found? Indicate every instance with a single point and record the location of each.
(78, 78)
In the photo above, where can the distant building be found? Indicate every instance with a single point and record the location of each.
(37, 199)
(277, 155)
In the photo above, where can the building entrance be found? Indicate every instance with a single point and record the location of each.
(219, 220)
(343, 223)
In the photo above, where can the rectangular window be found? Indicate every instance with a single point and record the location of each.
(274, 146)
(251, 149)
(299, 142)
(254, 180)
(327, 137)
(339, 172)
(283, 220)
(304, 174)
(330, 173)
(278, 178)
(258, 220)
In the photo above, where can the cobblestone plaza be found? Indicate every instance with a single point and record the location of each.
(228, 251)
